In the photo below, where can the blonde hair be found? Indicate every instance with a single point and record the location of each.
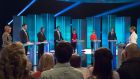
(46, 62)
(6, 28)
(13, 62)
(133, 28)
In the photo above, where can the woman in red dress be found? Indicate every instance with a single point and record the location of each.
(74, 39)
(92, 38)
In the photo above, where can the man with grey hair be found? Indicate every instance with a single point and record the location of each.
(130, 69)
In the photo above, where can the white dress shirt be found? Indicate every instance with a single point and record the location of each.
(133, 38)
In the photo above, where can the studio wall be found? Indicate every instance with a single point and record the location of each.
(138, 31)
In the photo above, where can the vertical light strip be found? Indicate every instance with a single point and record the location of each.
(35, 47)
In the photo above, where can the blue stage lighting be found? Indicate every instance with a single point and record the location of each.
(118, 9)
(10, 22)
(23, 10)
(67, 9)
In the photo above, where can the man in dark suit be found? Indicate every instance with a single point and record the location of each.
(41, 38)
(24, 37)
(57, 36)
(112, 36)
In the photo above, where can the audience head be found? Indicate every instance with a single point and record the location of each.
(13, 62)
(75, 61)
(46, 62)
(103, 65)
(7, 29)
(132, 29)
(63, 52)
(24, 26)
(42, 29)
(132, 51)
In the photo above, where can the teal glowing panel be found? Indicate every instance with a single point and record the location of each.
(80, 26)
(89, 30)
(138, 32)
(46, 21)
(65, 26)
(30, 21)
(108, 22)
(93, 24)
(122, 25)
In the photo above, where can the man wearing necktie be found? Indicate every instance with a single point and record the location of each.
(24, 37)
(57, 36)
(41, 38)
(112, 36)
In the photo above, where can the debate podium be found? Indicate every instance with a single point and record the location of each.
(112, 45)
(79, 47)
(96, 44)
(32, 51)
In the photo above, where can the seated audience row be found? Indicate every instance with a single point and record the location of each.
(15, 65)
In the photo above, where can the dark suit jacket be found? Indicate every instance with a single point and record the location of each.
(112, 36)
(41, 37)
(23, 37)
(56, 36)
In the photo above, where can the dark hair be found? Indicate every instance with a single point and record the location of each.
(75, 61)
(63, 52)
(23, 25)
(103, 65)
(42, 28)
(57, 27)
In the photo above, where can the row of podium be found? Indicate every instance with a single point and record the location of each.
(33, 49)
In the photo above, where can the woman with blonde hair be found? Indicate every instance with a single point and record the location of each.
(6, 37)
(46, 62)
(13, 62)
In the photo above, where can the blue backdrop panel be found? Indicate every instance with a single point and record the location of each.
(108, 22)
(80, 26)
(138, 31)
(17, 23)
(30, 20)
(89, 30)
(46, 21)
(93, 24)
(64, 22)
(122, 25)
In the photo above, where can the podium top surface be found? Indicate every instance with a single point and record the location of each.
(36, 43)
(112, 40)
(96, 40)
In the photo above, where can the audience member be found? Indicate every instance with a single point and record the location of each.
(130, 67)
(46, 62)
(13, 62)
(103, 65)
(75, 62)
(62, 70)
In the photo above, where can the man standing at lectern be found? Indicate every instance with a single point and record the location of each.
(112, 36)
(24, 37)
(57, 36)
(41, 38)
